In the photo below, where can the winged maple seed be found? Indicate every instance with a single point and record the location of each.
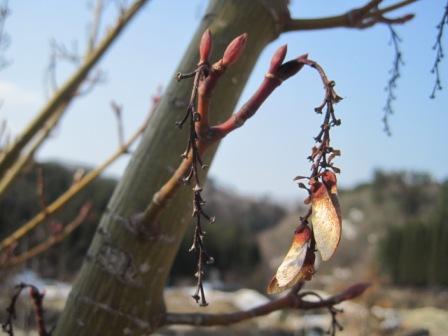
(298, 265)
(326, 215)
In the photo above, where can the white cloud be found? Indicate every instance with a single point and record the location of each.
(14, 95)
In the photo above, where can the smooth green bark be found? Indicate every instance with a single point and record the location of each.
(119, 290)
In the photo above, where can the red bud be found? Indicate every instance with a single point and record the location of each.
(234, 50)
(205, 46)
(278, 58)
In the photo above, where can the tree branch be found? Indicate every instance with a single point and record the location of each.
(21, 162)
(62, 200)
(51, 241)
(360, 18)
(37, 298)
(65, 94)
(439, 53)
(293, 300)
(209, 135)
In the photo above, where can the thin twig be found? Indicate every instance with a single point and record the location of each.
(65, 94)
(360, 18)
(54, 239)
(95, 26)
(438, 47)
(117, 110)
(62, 200)
(23, 160)
(37, 297)
(395, 73)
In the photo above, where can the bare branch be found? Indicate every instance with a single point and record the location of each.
(360, 18)
(439, 53)
(96, 23)
(62, 200)
(37, 297)
(65, 94)
(293, 300)
(118, 109)
(22, 161)
(54, 239)
(393, 80)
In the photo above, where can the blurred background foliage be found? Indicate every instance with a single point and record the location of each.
(397, 223)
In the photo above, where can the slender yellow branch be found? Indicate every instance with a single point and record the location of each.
(65, 94)
(343, 20)
(70, 193)
(21, 162)
(51, 241)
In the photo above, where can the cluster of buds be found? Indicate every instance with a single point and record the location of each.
(324, 232)
(202, 135)
(205, 78)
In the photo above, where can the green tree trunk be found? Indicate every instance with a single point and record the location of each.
(119, 290)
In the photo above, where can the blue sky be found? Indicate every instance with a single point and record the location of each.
(148, 52)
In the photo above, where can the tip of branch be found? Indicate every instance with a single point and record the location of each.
(277, 58)
(205, 46)
(303, 57)
(354, 291)
(407, 17)
(234, 50)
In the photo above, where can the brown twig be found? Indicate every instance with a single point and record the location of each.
(439, 53)
(83, 182)
(294, 300)
(54, 239)
(322, 153)
(361, 18)
(37, 297)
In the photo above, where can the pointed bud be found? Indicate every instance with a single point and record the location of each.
(234, 50)
(289, 69)
(205, 46)
(303, 58)
(278, 58)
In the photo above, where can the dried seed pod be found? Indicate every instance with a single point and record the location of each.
(326, 217)
(297, 265)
